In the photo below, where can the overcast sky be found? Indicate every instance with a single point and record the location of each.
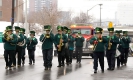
(109, 7)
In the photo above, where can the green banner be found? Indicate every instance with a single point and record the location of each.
(1, 34)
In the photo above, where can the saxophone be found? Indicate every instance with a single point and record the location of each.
(110, 44)
(60, 44)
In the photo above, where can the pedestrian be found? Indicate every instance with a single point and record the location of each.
(79, 40)
(119, 47)
(18, 52)
(47, 40)
(31, 46)
(22, 31)
(59, 41)
(71, 40)
(10, 41)
(126, 40)
(111, 48)
(66, 56)
(98, 42)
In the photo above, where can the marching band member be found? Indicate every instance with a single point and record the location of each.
(98, 48)
(60, 40)
(70, 45)
(126, 40)
(66, 56)
(119, 47)
(22, 31)
(31, 46)
(111, 48)
(47, 47)
(20, 38)
(79, 40)
(10, 41)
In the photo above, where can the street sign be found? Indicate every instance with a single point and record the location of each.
(1, 34)
(110, 25)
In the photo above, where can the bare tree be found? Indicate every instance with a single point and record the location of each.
(83, 18)
(66, 18)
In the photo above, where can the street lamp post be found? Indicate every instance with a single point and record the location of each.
(100, 13)
(12, 15)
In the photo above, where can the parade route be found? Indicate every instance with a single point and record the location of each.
(83, 71)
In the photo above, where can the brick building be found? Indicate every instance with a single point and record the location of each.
(6, 10)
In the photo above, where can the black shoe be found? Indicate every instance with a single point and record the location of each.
(10, 68)
(30, 63)
(46, 68)
(6, 67)
(102, 71)
(108, 68)
(118, 66)
(49, 68)
(67, 63)
(77, 61)
(70, 62)
(59, 66)
(112, 69)
(95, 71)
(62, 65)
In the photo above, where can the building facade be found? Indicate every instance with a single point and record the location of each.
(37, 5)
(6, 10)
(125, 14)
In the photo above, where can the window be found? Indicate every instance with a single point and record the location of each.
(0, 2)
(0, 14)
(83, 31)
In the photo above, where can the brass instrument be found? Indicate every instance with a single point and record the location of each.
(60, 44)
(110, 44)
(46, 36)
(7, 36)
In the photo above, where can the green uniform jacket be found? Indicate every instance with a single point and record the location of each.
(57, 39)
(25, 38)
(32, 44)
(20, 39)
(114, 40)
(48, 43)
(71, 42)
(79, 42)
(126, 42)
(120, 45)
(10, 45)
(100, 47)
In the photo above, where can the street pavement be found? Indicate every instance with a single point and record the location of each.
(75, 71)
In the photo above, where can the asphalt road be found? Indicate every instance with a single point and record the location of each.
(83, 71)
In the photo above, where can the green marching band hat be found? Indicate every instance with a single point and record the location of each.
(47, 27)
(111, 29)
(69, 31)
(17, 27)
(98, 30)
(60, 28)
(22, 30)
(118, 31)
(8, 28)
(32, 32)
(65, 28)
(125, 32)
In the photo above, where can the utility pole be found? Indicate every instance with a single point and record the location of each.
(26, 25)
(12, 15)
(100, 13)
(18, 14)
